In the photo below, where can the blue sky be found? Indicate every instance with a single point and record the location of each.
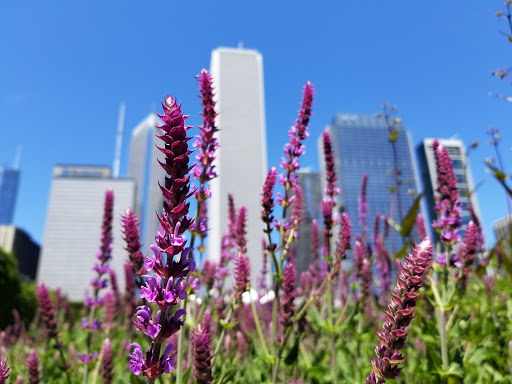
(66, 65)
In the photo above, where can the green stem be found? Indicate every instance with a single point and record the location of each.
(221, 337)
(179, 352)
(258, 328)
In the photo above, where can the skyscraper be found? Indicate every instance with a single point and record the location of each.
(73, 227)
(457, 152)
(241, 162)
(16, 241)
(146, 172)
(9, 181)
(361, 145)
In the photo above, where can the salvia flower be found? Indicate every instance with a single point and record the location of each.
(107, 363)
(167, 284)
(328, 202)
(32, 362)
(294, 148)
(330, 169)
(267, 200)
(400, 312)
(448, 203)
(206, 143)
(131, 236)
(343, 244)
(202, 355)
(47, 312)
(86, 358)
(5, 371)
(241, 232)
(363, 205)
(242, 275)
(468, 251)
(150, 365)
(288, 298)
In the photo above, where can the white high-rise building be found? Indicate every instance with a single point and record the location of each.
(73, 227)
(147, 172)
(460, 162)
(241, 162)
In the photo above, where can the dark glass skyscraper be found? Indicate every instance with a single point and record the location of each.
(361, 144)
(9, 181)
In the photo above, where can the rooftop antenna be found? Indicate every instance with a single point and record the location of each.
(240, 44)
(119, 140)
(17, 158)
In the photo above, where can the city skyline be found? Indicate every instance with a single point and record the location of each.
(440, 78)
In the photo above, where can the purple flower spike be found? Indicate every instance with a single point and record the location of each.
(202, 355)
(5, 372)
(330, 170)
(288, 298)
(468, 251)
(206, 143)
(131, 236)
(167, 285)
(267, 200)
(399, 314)
(448, 203)
(149, 365)
(107, 363)
(47, 311)
(363, 205)
(344, 239)
(328, 202)
(87, 358)
(242, 273)
(33, 367)
(241, 232)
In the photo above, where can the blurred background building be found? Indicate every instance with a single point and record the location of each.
(457, 152)
(241, 161)
(503, 232)
(311, 185)
(361, 144)
(145, 170)
(9, 182)
(73, 227)
(26, 251)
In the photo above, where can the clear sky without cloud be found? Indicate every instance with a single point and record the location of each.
(66, 65)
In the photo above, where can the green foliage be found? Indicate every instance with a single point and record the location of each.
(16, 294)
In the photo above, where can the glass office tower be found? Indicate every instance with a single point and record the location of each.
(361, 145)
(9, 181)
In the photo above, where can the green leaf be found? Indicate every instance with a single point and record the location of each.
(501, 178)
(293, 354)
(402, 250)
(186, 375)
(227, 325)
(408, 222)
